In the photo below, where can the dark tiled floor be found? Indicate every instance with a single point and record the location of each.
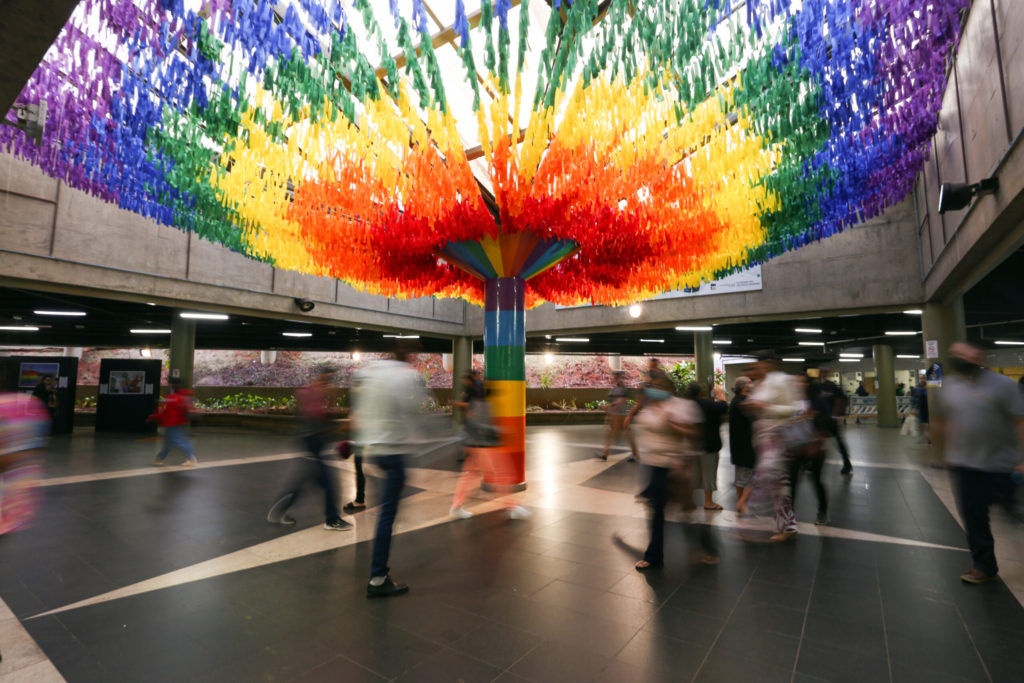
(553, 598)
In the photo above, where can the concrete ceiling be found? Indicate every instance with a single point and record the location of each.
(27, 29)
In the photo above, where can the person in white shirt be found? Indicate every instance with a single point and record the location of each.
(775, 403)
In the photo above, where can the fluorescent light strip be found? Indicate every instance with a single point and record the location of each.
(849, 360)
(793, 360)
(694, 328)
(21, 328)
(906, 355)
(297, 334)
(810, 343)
(1008, 342)
(914, 311)
(582, 340)
(808, 330)
(77, 314)
(401, 336)
(900, 333)
(851, 355)
(150, 331)
(653, 341)
(204, 316)
(721, 341)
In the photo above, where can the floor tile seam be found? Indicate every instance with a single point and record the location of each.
(913, 515)
(725, 623)
(807, 609)
(974, 645)
(508, 669)
(885, 626)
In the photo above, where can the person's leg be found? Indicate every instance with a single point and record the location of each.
(469, 478)
(327, 478)
(778, 470)
(609, 435)
(815, 465)
(709, 479)
(974, 497)
(632, 440)
(836, 431)
(657, 492)
(165, 449)
(360, 480)
(394, 481)
(182, 441)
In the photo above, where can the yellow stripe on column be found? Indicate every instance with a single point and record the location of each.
(507, 398)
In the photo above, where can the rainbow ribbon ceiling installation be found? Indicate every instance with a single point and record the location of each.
(607, 151)
(510, 152)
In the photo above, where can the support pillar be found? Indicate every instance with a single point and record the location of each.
(885, 386)
(183, 349)
(462, 362)
(704, 358)
(505, 374)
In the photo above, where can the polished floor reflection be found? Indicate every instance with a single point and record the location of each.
(134, 573)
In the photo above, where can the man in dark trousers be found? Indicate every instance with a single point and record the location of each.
(714, 410)
(832, 400)
(980, 428)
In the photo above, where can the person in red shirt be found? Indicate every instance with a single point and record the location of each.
(173, 417)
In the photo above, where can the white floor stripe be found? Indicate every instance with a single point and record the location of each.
(151, 470)
(23, 660)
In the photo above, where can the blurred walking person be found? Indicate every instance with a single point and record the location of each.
(173, 417)
(670, 446)
(832, 400)
(919, 401)
(980, 426)
(741, 437)
(24, 424)
(714, 409)
(617, 410)
(317, 415)
(388, 422)
(811, 456)
(775, 404)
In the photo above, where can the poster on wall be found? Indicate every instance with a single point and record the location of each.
(933, 376)
(125, 382)
(29, 373)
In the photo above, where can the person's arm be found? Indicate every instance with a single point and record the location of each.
(637, 405)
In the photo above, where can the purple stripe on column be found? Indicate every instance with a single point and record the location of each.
(505, 294)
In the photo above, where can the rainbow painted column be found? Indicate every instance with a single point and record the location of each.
(505, 263)
(505, 371)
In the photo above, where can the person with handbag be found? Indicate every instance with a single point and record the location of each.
(483, 453)
(778, 430)
(810, 456)
(670, 436)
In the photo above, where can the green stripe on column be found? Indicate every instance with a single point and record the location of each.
(505, 362)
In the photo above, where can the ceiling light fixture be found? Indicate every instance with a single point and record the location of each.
(19, 328)
(906, 355)
(70, 314)
(636, 310)
(914, 311)
(808, 330)
(721, 341)
(653, 341)
(847, 354)
(693, 328)
(849, 360)
(401, 336)
(297, 334)
(810, 343)
(142, 330)
(582, 340)
(204, 316)
(900, 333)
(793, 360)
(1009, 342)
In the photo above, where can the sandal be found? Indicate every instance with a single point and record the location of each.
(714, 507)
(353, 506)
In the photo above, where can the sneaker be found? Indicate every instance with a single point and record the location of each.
(822, 519)
(386, 589)
(460, 513)
(158, 463)
(519, 512)
(354, 506)
(973, 575)
(192, 462)
(337, 525)
(847, 469)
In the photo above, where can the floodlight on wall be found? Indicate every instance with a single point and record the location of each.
(145, 353)
(305, 305)
(635, 311)
(356, 356)
(955, 196)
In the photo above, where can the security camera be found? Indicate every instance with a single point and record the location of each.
(305, 305)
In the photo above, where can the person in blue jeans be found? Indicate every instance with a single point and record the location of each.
(388, 405)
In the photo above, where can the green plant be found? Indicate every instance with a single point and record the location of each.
(567, 404)
(534, 409)
(246, 402)
(545, 384)
(682, 374)
(86, 402)
(596, 405)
